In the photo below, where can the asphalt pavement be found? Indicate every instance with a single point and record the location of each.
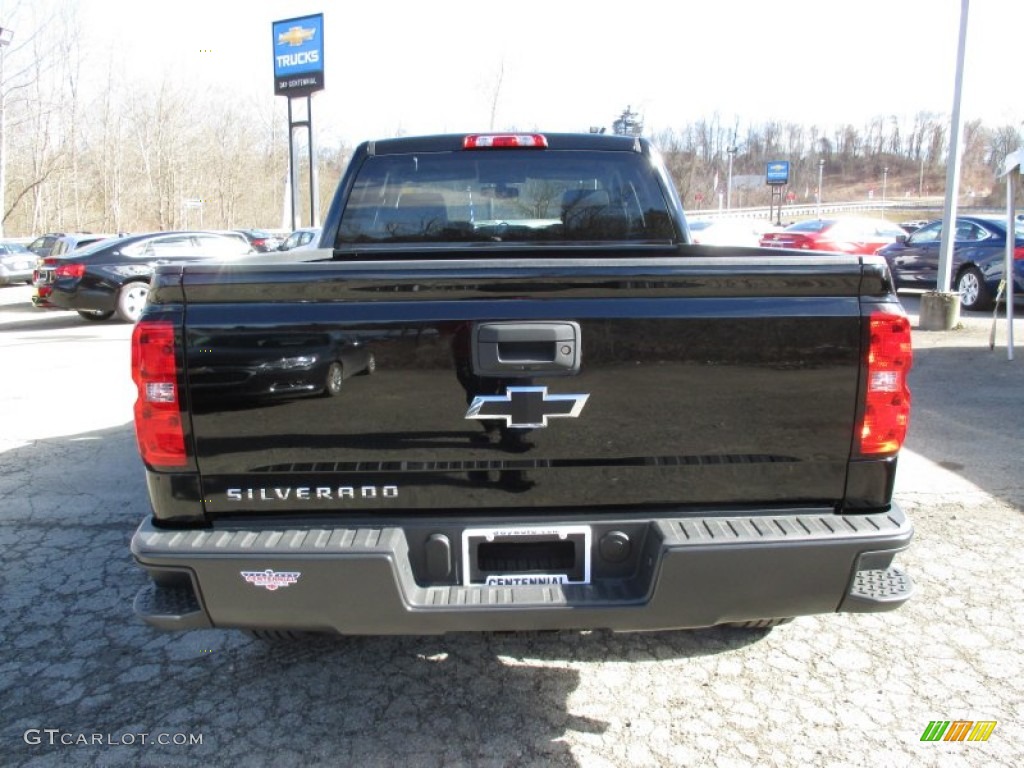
(83, 682)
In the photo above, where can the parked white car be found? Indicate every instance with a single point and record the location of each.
(305, 238)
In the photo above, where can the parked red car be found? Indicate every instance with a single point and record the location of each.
(845, 235)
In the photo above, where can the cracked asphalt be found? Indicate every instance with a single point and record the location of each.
(82, 682)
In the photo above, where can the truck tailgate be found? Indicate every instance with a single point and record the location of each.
(700, 382)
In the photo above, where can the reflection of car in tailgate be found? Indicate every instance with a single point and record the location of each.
(259, 363)
(577, 419)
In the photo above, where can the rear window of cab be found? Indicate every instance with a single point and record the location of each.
(502, 196)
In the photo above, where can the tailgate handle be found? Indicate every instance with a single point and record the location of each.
(524, 349)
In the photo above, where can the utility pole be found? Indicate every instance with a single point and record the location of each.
(940, 309)
(731, 151)
(953, 163)
(821, 173)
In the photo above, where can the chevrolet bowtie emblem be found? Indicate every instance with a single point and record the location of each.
(295, 36)
(526, 407)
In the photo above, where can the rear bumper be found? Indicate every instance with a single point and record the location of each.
(690, 572)
(41, 297)
(81, 299)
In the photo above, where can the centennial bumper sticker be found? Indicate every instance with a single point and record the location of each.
(270, 579)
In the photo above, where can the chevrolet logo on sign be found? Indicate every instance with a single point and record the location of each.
(295, 36)
(526, 407)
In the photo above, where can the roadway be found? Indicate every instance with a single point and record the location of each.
(839, 690)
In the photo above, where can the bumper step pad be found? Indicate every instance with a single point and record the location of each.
(877, 589)
(167, 607)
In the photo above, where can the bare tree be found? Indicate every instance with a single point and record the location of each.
(1003, 140)
(31, 92)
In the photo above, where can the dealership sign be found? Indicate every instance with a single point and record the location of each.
(298, 55)
(777, 172)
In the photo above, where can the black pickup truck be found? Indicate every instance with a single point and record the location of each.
(508, 393)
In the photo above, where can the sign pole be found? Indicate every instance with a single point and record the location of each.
(314, 198)
(293, 169)
(777, 177)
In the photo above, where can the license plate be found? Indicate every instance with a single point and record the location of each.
(526, 556)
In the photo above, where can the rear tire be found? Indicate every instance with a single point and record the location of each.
(974, 294)
(94, 315)
(131, 300)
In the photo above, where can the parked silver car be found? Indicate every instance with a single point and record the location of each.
(301, 239)
(16, 263)
(59, 243)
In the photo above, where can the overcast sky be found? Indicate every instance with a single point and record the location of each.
(434, 65)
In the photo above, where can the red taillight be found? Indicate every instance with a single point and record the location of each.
(72, 270)
(505, 141)
(1018, 253)
(887, 401)
(158, 425)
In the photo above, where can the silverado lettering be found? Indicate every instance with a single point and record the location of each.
(733, 464)
(318, 493)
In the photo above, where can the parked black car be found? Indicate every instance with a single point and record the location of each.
(113, 275)
(979, 254)
(261, 240)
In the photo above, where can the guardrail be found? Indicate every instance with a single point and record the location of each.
(762, 212)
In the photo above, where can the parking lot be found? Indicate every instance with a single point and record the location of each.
(83, 682)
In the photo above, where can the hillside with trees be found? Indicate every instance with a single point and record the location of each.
(126, 158)
(902, 160)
